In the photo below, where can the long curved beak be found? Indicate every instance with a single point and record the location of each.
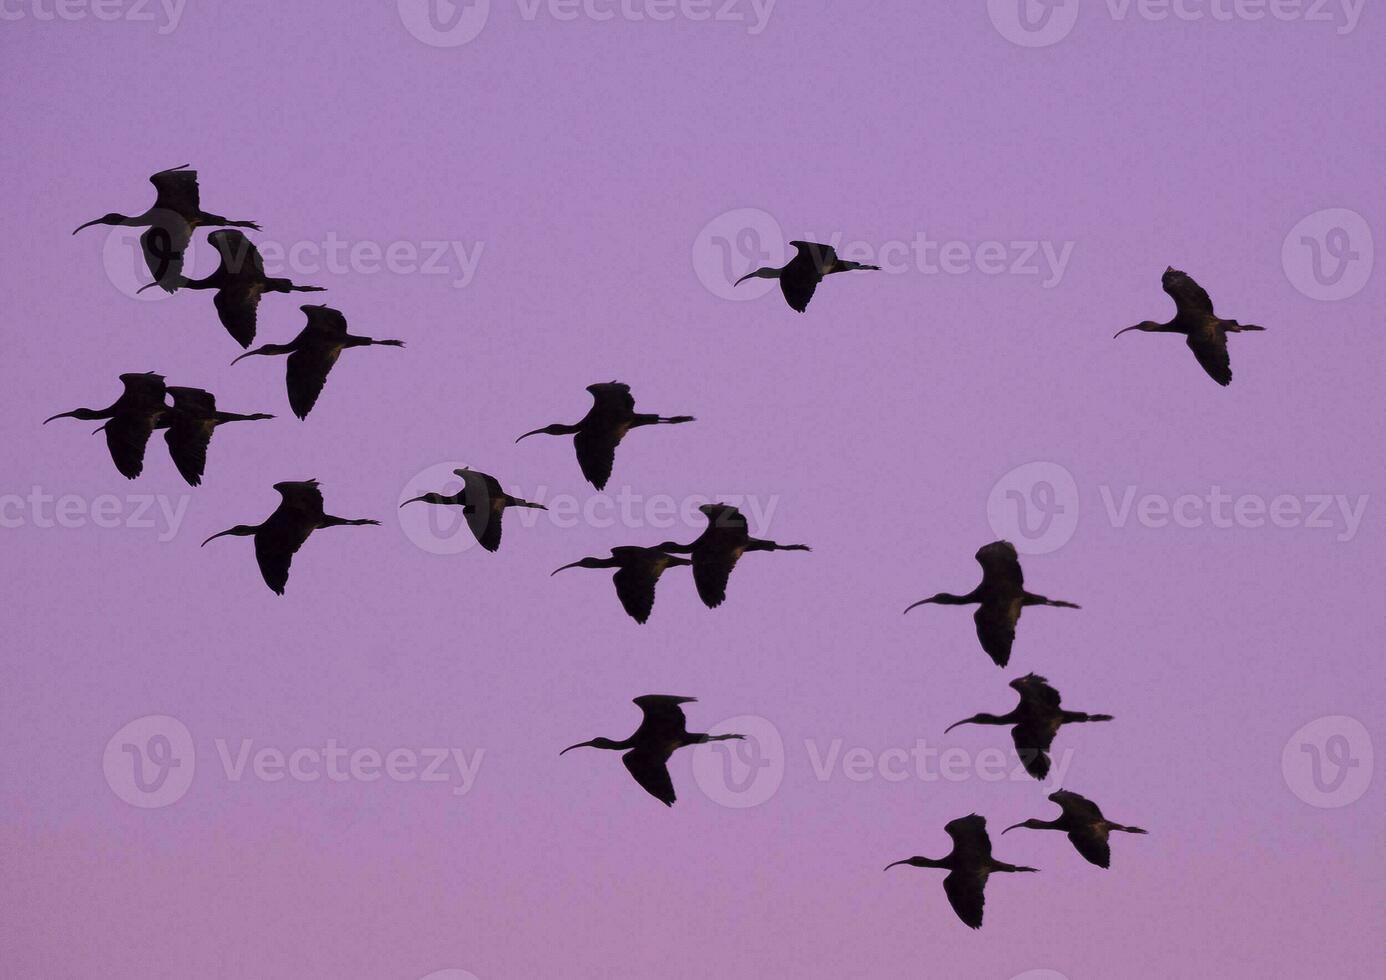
(411, 500)
(246, 354)
(576, 564)
(1012, 827)
(579, 745)
(536, 432)
(95, 221)
(219, 534)
(921, 602)
(61, 415)
(894, 863)
(1120, 332)
(143, 288)
(955, 725)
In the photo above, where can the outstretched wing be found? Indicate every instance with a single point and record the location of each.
(651, 772)
(1000, 564)
(1093, 846)
(712, 567)
(187, 440)
(239, 257)
(611, 398)
(596, 452)
(1032, 741)
(306, 374)
(1188, 295)
(635, 586)
(1079, 807)
(970, 837)
(798, 287)
(236, 304)
(176, 191)
(996, 628)
(965, 890)
(1209, 345)
(163, 244)
(664, 719)
(274, 551)
(126, 437)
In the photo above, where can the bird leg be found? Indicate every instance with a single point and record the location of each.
(756, 544)
(329, 521)
(1030, 599)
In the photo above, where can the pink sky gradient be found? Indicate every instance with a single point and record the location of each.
(586, 157)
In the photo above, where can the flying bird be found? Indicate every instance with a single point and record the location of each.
(313, 352)
(279, 536)
(601, 430)
(130, 420)
(175, 214)
(1036, 720)
(1087, 829)
(637, 572)
(969, 864)
(716, 551)
(1205, 333)
(191, 422)
(239, 280)
(801, 276)
(663, 729)
(1002, 596)
(483, 503)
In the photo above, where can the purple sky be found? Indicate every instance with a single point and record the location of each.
(587, 171)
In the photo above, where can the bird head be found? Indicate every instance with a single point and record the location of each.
(114, 218)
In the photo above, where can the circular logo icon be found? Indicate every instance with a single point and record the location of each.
(440, 528)
(744, 772)
(736, 243)
(1328, 762)
(131, 271)
(150, 762)
(1033, 23)
(1035, 507)
(444, 23)
(1329, 255)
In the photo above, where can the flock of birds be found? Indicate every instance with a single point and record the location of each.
(190, 416)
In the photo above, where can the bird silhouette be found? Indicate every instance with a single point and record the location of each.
(969, 864)
(1087, 829)
(663, 730)
(239, 280)
(637, 572)
(279, 536)
(313, 352)
(601, 430)
(1002, 596)
(191, 422)
(1205, 333)
(801, 276)
(1036, 720)
(716, 551)
(483, 503)
(171, 220)
(130, 420)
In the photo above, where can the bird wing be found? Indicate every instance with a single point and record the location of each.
(490, 534)
(711, 569)
(1000, 564)
(484, 505)
(176, 190)
(239, 257)
(596, 452)
(196, 400)
(1076, 806)
(163, 244)
(1093, 846)
(1209, 345)
(965, 890)
(303, 495)
(816, 256)
(307, 373)
(635, 587)
(236, 304)
(798, 286)
(187, 440)
(1188, 296)
(652, 773)
(612, 398)
(996, 628)
(274, 551)
(126, 437)
(969, 836)
(326, 321)
(1032, 740)
(663, 719)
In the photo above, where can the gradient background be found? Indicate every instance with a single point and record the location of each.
(587, 156)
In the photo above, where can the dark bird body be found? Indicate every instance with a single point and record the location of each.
(1036, 720)
(278, 538)
(191, 422)
(483, 502)
(171, 220)
(601, 430)
(717, 550)
(1087, 829)
(969, 865)
(637, 572)
(801, 276)
(313, 353)
(663, 730)
(239, 280)
(1002, 596)
(1205, 332)
(130, 420)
